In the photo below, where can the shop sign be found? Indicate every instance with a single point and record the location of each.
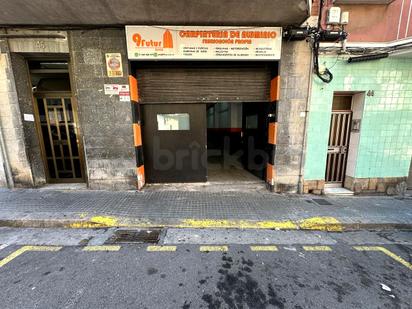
(114, 65)
(121, 90)
(203, 43)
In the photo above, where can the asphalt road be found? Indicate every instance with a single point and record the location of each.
(356, 270)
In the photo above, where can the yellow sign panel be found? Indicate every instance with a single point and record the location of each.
(114, 65)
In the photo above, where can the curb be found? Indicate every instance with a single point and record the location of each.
(311, 224)
(352, 227)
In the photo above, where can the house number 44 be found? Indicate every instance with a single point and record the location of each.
(370, 93)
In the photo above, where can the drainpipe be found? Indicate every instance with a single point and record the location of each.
(303, 152)
(3, 148)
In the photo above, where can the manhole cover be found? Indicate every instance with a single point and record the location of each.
(321, 201)
(134, 236)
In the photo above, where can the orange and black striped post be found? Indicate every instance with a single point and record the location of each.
(137, 132)
(272, 127)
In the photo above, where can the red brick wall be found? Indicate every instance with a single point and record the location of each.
(374, 23)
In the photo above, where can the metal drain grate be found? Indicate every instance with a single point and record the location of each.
(321, 201)
(134, 236)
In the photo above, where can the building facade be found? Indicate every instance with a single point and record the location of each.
(359, 133)
(94, 95)
(77, 107)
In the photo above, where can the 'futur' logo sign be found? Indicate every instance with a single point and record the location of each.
(143, 42)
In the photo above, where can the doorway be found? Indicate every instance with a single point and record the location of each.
(338, 145)
(236, 142)
(56, 121)
(217, 142)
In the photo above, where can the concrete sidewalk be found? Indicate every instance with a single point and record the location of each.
(255, 209)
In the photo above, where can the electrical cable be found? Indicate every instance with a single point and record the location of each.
(326, 76)
(336, 61)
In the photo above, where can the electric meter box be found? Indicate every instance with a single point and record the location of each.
(344, 20)
(333, 17)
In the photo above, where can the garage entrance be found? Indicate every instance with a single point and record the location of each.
(204, 121)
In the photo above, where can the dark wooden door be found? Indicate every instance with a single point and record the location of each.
(56, 118)
(174, 142)
(254, 138)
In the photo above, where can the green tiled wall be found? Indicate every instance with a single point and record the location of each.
(385, 145)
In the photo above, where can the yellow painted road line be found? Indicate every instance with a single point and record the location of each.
(317, 248)
(238, 224)
(264, 248)
(161, 248)
(213, 248)
(42, 248)
(312, 223)
(101, 248)
(21, 250)
(330, 224)
(385, 251)
(96, 221)
(12, 256)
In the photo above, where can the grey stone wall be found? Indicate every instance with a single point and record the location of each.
(11, 122)
(294, 75)
(105, 122)
(3, 93)
(25, 99)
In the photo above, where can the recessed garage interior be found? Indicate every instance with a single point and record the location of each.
(233, 136)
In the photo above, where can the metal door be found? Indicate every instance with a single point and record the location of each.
(56, 118)
(338, 146)
(203, 81)
(174, 142)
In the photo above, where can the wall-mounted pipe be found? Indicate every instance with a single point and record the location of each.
(368, 57)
